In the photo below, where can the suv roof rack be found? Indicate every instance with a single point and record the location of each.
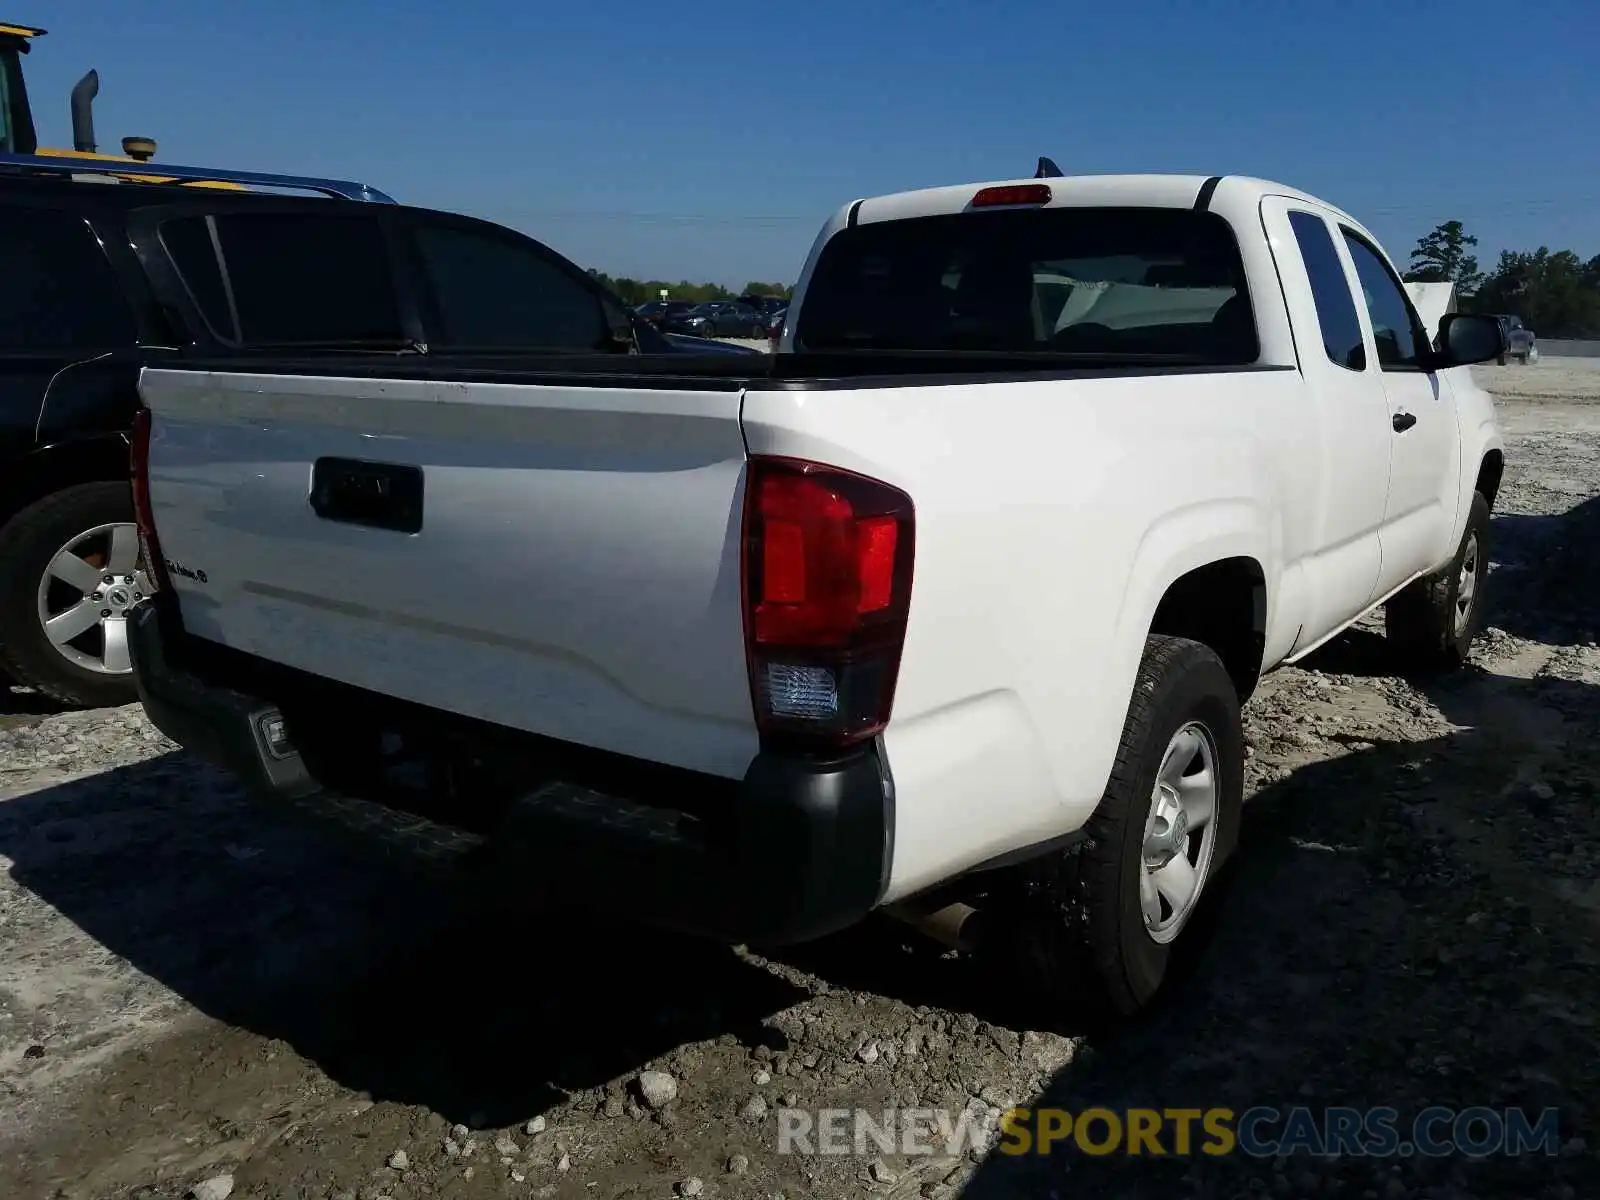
(339, 189)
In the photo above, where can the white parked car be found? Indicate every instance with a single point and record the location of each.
(949, 606)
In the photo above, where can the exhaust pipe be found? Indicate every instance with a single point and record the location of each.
(83, 94)
(957, 925)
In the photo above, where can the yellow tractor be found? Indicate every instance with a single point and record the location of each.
(18, 135)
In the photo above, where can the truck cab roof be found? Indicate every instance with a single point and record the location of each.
(1144, 191)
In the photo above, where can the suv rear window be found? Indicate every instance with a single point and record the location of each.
(286, 278)
(1098, 281)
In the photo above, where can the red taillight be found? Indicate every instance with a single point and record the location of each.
(1019, 193)
(827, 570)
(139, 474)
(876, 539)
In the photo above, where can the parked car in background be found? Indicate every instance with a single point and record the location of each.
(686, 343)
(765, 305)
(1520, 343)
(720, 318)
(658, 312)
(77, 322)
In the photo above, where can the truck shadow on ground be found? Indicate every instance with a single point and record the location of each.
(392, 981)
(1392, 933)
(1546, 571)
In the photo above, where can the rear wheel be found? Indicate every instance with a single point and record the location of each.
(1107, 922)
(69, 572)
(1432, 623)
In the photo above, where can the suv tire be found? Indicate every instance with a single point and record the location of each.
(91, 522)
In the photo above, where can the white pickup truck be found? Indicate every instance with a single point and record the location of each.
(951, 603)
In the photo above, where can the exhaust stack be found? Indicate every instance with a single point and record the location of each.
(83, 94)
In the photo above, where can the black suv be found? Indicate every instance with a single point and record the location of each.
(100, 279)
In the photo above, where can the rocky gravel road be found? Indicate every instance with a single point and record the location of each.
(198, 999)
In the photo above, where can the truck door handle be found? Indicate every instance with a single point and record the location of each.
(1402, 421)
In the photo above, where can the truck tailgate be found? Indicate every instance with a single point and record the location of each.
(575, 571)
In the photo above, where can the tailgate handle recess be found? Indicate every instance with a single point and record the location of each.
(375, 494)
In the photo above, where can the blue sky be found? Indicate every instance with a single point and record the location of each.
(710, 141)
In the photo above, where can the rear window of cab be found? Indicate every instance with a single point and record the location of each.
(1082, 281)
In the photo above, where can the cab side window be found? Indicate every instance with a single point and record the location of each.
(1395, 328)
(1330, 291)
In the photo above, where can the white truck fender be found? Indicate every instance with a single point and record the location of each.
(1480, 436)
(1175, 544)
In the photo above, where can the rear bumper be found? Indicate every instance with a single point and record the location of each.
(802, 851)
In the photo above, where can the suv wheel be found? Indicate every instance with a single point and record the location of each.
(69, 571)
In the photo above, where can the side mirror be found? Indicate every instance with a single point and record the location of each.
(1467, 338)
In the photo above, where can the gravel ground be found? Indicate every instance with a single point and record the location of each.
(196, 996)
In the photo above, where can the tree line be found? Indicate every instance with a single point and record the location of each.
(638, 291)
(1556, 293)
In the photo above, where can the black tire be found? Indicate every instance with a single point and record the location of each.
(1427, 625)
(28, 541)
(1082, 941)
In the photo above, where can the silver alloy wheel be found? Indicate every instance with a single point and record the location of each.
(85, 594)
(1466, 586)
(1180, 833)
